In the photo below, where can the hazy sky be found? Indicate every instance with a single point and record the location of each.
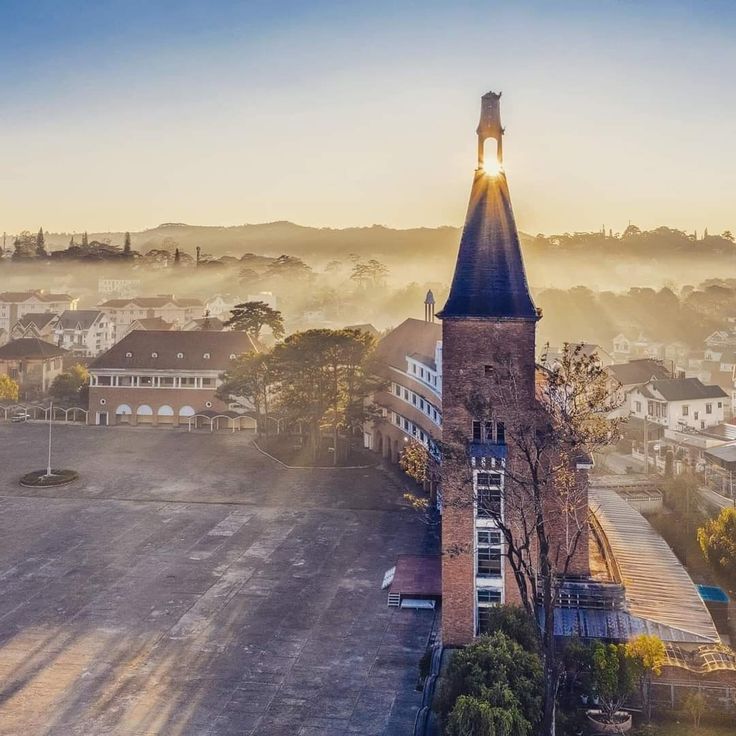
(122, 115)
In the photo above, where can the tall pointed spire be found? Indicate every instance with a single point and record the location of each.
(489, 280)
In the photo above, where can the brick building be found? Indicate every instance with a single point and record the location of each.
(488, 375)
(162, 377)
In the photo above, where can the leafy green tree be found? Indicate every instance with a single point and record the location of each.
(250, 379)
(67, 387)
(648, 656)
(474, 716)
(516, 623)
(614, 678)
(323, 378)
(695, 706)
(41, 244)
(503, 676)
(288, 267)
(252, 317)
(8, 388)
(717, 540)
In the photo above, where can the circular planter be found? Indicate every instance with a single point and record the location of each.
(39, 479)
(597, 725)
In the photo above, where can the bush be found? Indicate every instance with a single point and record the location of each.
(503, 685)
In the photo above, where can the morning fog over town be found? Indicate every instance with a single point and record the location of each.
(305, 430)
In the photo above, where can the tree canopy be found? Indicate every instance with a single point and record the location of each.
(252, 317)
(8, 388)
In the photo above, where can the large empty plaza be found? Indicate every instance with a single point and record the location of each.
(187, 584)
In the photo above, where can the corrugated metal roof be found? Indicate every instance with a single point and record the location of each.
(658, 588)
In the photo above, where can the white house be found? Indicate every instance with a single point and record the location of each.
(679, 403)
(84, 332)
(15, 304)
(176, 311)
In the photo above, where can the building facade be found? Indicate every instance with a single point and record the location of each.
(33, 364)
(40, 325)
(679, 403)
(123, 312)
(84, 332)
(162, 377)
(16, 304)
(410, 362)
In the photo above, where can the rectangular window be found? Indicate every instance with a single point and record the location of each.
(489, 562)
(488, 537)
(720, 405)
(488, 370)
(709, 408)
(638, 407)
(166, 382)
(489, 595)
(125, 380)
(685, 410)
(500, 433)
(397, 389)
(650, 408)
(487, 480)
(188, 381)
(104, 381)
(145, 380)
(489, 502)
(477, 431)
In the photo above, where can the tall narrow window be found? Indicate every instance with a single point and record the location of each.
(477, 431)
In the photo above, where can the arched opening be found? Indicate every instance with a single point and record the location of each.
(378, 443)
(144, 414)
(491, 164)
(186, 411)
(123, 414)
(165, 414)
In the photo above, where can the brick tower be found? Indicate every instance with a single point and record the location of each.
(488, 335)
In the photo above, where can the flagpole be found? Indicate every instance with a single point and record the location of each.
(51, 411)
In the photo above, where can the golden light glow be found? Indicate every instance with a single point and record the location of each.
(491, 168)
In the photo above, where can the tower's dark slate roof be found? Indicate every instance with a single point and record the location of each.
(489, 279)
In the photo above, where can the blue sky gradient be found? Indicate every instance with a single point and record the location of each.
(121, 115)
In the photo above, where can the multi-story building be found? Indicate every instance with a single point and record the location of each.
(409, 358)
(41, 325)
(84, 332)
(123, 312)
(488, 384)
(32, 363)
(162, 377)
(679, 403)
(16, 304)
(120, 288)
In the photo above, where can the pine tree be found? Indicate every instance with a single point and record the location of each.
(40, 244)
(177, 257)
(126, 245)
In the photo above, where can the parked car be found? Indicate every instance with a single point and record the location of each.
(20, 416)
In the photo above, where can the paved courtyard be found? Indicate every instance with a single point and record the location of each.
(186, 584)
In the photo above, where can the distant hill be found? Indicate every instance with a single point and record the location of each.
(275, 238)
